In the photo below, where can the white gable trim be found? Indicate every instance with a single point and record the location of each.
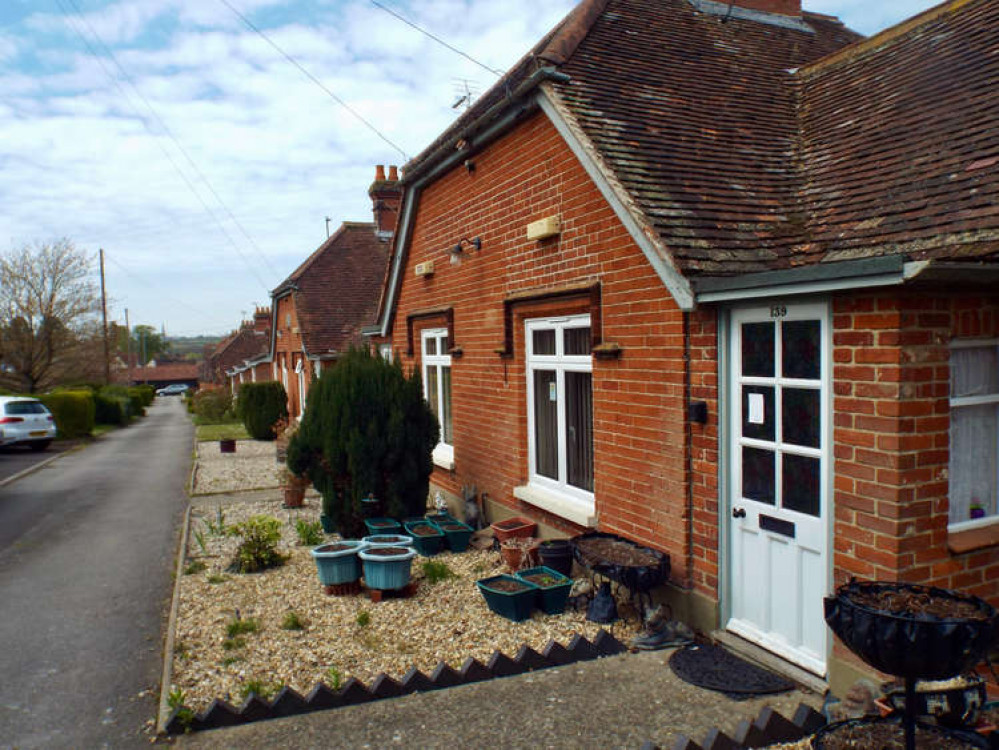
(616, 196)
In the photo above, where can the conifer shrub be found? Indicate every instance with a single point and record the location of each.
(260, 406)
(366, 430)
(74, 412)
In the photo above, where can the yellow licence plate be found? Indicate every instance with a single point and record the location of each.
(39, 433)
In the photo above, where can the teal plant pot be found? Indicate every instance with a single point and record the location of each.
(387, 568)
(438, 517)
(388, 540)
(428, 540)
(456, 534)
(553, 588)
(382, 526)
(508, 596)
(329, 527)
(337, 562)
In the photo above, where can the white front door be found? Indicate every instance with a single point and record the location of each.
(778, 498)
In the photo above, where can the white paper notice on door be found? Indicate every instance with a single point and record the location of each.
(552, 392)
(756, 415)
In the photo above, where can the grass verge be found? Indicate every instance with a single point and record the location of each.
(228, 431)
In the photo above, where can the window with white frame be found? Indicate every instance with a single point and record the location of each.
(974, 433)
(437, 389)
(385, 352)
(300, 371)
(560, 406)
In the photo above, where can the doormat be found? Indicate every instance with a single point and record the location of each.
(714, 668)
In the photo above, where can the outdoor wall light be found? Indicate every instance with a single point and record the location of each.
(458, 250)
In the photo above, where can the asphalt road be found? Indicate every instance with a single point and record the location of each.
(16, 458)
(87, 545)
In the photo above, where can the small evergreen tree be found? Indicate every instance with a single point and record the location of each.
(260, 406)
(366, 430)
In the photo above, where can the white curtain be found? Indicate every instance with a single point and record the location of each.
(974, 434)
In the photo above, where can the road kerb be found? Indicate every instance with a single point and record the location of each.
(164, 713)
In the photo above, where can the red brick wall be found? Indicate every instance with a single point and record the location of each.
(891, 390)
(639, 414)
(288, 348)
(704, 451)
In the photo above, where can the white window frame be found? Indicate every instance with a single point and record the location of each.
(556, 496)
(957, 403)
(300, 371)
(385, 352)
(443, 455)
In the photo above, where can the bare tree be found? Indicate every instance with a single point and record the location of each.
(48, 302)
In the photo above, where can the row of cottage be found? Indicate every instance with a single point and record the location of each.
(721, 278)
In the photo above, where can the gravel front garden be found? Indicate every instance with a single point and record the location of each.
(236, 632)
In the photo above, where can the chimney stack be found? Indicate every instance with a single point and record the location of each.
(386, 198)
(780, 7)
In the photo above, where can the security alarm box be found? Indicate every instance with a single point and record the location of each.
(544, 228)
(425, 269)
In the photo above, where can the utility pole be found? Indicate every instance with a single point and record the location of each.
(128, 347)
(104, 316)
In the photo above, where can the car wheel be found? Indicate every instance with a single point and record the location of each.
(40, 445)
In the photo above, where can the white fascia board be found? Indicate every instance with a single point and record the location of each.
(616, 196)
(812, 287)
(410, 198)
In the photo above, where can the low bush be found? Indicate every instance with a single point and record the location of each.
(110, 409)
(74, 412)
(258, 548)
(260, 406)
(146, 392)
(212, 406)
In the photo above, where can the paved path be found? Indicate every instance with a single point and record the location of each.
(86, 552)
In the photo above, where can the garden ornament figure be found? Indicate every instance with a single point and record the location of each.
(440, 503)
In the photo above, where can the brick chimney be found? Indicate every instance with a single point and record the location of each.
(262, 319)
(780, 7)
(386, 198)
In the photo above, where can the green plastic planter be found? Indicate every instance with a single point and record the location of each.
(513, 605)
(552, 596)
(426, 544)
(388, 540)
(387, 568)
(337, 562)
(439, 518)
(382, 526)
(456, 534)
(329, 527)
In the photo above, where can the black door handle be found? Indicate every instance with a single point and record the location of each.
(738, 513)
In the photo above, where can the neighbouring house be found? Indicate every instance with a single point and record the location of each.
(723, 278)
(232, 361)
(321, 308)
(167, 373)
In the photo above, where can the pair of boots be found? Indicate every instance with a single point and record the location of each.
(661, 632)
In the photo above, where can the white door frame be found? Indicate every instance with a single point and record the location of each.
(730, 415)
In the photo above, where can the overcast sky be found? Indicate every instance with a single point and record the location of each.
(204, 162)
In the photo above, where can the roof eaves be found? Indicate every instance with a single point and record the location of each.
(622, 203)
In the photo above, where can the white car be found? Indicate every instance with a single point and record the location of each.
(26, 421)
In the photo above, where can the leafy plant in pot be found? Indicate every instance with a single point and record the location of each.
(367, 430)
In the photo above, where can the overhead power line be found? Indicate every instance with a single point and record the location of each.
(312, 78)
(437, 39)
(166, 130)
(157, 287)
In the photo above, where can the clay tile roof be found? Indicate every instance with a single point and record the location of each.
(171, 371)
(244, 344)
(336, 289)
(900, 136)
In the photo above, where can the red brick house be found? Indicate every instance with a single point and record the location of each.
(231, 361)
(320, 309)
(722, 278)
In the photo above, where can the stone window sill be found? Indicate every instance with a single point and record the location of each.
(969, 540)
(443, 456)
(580, 513)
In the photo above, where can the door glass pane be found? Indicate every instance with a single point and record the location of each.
(758, 475)
(579, 429)
(432, 392)
(801, 420)
(430, 345)
(758, 412)
(577, 341)
(800, 350)
(446, 405)
(800, 484)
(545, 424)
(758, 350)
(543, 342)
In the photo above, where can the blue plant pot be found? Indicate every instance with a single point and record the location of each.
(385, 570)
(382, 526)
(337, 562)
(552, 596)
(513, 605)
(388, 540)
(456, 534)
(426, 544)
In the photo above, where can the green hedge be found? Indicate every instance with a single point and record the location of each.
(110, 409)
(260, 406)
(146, 392)
(133, 395)
(212, 406)
(74, 412)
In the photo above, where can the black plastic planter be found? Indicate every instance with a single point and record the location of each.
(916, 646)
(636, 578)
(956, 739)
(557, 555)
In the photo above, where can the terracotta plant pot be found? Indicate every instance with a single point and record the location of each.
(511, 528)
(520, 552)
(227, 445)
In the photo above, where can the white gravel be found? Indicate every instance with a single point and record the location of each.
(252, 466)
(447, 621)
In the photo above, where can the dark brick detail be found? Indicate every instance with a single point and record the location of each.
(415, 681)
(384, 686)
(321, 698)
(444, 677)
(474, 670)
(531, 659)
(769, 728)
(288, 703)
